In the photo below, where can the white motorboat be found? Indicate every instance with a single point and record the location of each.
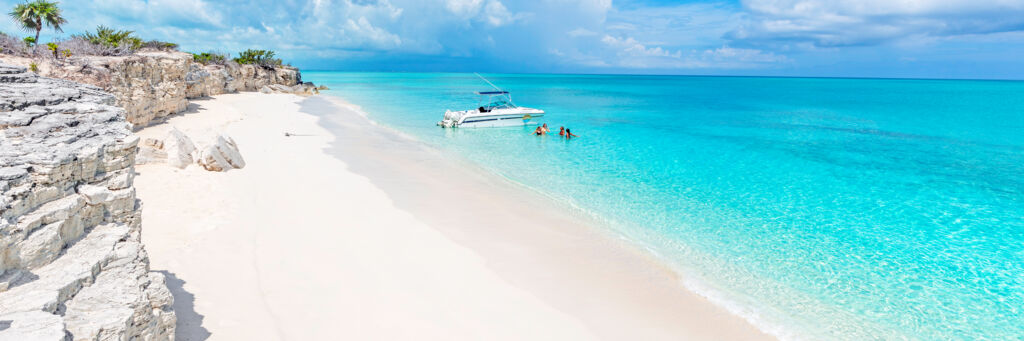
(499, 111)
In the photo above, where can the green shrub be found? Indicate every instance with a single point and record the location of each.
(160, 45)
(29, 41)
(110, 37)
(262, 58)
(33, 67)
(210, 58)
(53, 49)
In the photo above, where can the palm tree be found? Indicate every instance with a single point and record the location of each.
(33, 15)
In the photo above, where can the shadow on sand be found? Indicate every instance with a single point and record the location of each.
(190, 323)
(194, 107)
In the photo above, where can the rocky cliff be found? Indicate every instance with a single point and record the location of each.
(72, 265)
(212, 80)
(151, 85)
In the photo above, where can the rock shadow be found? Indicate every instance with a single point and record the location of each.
(190, 323)
(191, 109)
(18, 277)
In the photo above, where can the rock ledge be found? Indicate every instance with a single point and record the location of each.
(72, 265)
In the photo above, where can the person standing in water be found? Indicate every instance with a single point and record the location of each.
(561, 131)
(545, 128)
(569, 134)
(539, 131)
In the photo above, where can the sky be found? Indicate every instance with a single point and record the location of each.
(981, 39)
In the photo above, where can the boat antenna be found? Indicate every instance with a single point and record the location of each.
(488, 82)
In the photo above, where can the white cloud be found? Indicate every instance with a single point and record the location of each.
(464, 7)
(361, 32)
(492, 12)
(827, 23)
(740, 57)
(172, 12)
(687, 36)
(497, 14)
(595, 6)
(860, 8)
(631, 47)
(581, 32)
(628, 52)
(327, 24)
(592, 33)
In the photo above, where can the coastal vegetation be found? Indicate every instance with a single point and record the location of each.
(210, 58)
(53, 48)
(160, 45)
(262, 58)
(114, 38)
(32, 16)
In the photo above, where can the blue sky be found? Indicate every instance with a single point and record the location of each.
(845, 38)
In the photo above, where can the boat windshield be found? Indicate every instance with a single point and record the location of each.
(499, 104)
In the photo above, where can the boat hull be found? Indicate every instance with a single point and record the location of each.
(492, 119)
(500, 121)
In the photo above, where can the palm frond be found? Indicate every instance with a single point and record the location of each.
(39, 12)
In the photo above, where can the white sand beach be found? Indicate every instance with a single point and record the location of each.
(344, 234)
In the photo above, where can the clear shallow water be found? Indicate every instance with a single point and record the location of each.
(822, 208)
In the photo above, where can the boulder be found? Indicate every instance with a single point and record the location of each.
(179, 149)
(221, 156)
(176, 150)
(151, 151)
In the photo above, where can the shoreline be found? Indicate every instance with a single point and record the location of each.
(244, 247)
(590, 222)
(581, 224)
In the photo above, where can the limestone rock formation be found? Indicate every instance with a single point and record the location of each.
(221, 156)
(148, 85)
(71, 262)
(203, 81)
(152, 84)
(212, 80)
(301, 89)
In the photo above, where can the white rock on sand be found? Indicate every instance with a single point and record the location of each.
(179, 149)
(221, 156)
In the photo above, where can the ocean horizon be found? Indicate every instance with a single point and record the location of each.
(840, 208)
(994, 79)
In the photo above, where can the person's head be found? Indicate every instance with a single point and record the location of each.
(545, 125)
(561, 128)
(567, 131)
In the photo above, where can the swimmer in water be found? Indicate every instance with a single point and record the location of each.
(569, 134)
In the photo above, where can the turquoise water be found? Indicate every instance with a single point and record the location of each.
(819, 208)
